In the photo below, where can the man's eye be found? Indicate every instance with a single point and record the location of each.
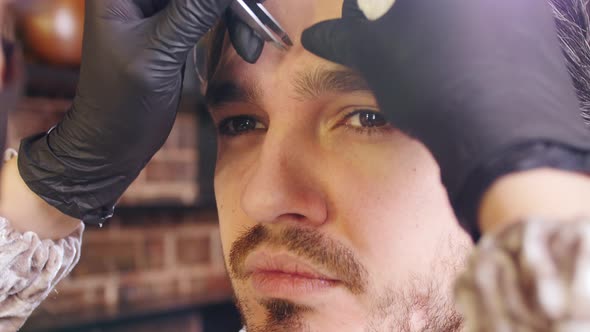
(239, 125)
(366, 119)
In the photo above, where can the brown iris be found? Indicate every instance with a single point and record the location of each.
(371, 119)
(237, 125)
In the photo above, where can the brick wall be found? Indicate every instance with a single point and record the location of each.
(141, 257)
(131, 265)
(171, 176)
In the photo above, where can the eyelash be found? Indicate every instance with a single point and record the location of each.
(366, 130)
(223, 131)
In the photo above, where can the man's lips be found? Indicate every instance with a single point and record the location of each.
(265, 262)
(284, 275)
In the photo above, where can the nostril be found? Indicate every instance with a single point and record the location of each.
(297, 217)
(287, 204)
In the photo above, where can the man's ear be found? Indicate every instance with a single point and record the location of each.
(374, 9)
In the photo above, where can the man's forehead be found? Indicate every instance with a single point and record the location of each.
(297, 15)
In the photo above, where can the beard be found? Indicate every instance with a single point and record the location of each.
(420, 304)
(419, 309)
(281, 315)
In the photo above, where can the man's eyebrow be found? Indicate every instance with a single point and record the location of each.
(314, 83)
(308, 84)
(229, 91)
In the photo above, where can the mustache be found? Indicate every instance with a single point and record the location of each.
(306, 243)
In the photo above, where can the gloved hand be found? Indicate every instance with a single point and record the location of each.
(131, 76)
(247, 43)
(483, 84)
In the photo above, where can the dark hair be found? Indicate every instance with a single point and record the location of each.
(572, 21)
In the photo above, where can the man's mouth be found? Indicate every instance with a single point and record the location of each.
(286, 276)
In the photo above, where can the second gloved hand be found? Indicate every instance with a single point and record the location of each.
(129, 90)
(483, 84)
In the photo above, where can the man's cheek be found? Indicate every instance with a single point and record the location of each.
(231, 220)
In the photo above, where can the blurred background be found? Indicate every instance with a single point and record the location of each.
(157, 265)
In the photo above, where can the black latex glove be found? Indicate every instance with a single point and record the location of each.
(131, 77)
(247, 43)
(483, 84)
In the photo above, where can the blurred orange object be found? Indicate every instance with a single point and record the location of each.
(52, 31)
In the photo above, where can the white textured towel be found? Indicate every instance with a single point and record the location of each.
(29, 269)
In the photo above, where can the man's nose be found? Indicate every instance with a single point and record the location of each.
(283, 185)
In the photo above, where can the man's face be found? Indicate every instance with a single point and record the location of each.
(331, 219)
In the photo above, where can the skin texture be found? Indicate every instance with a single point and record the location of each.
(25, 211)
(308, 177)
(547, 193)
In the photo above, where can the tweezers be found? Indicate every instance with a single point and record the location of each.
(253, 13)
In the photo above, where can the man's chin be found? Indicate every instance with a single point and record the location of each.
(273, 307)
(270, 315)
(274, 314)
(285, 319)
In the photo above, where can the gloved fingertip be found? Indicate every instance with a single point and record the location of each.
(351, 9)
(247, 43)
(252, 53)
(312, 37)
(331, 40)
